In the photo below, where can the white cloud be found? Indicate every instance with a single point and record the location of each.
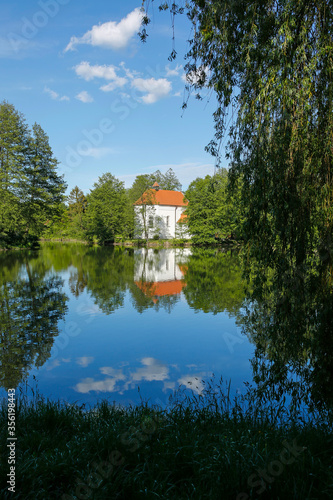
(124, 96)
(153, 370)
(109, 87)
(84, 96)
(169, 385)
(57, 362)
(97, 152)
(112, 372)
(89, 384)
(54, 364)
(16, 46)
(110, 35)
(154, 89)
(193, 382)
(54, 95)
(88, 72)
(106, 385)
(174, 71)
(85, 361)
(87, 309)
(13, 45)
(129, 73)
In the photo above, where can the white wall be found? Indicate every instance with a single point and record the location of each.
(165, 220)
(152, 266)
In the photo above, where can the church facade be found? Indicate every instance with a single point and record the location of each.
(160, 214)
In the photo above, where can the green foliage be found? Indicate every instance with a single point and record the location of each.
(214, 282)
(270, 67)
(271, 63)
(31, 191)
(143, 182)
(106, 214)
(108, 210)
(77, 202)
(213, 213)
(170, 181)
(32, 303)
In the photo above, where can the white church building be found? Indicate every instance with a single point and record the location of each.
(160, 212)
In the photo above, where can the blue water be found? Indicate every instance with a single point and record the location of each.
(110, 355)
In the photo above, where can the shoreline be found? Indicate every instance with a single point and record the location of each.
(112, 451)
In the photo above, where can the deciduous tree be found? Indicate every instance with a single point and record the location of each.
(105, 215)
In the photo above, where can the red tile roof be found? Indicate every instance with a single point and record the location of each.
(160, 288)
(156, 289)
(162, 197)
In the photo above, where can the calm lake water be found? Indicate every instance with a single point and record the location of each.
(86, 323)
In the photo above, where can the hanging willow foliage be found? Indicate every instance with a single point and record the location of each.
(271, 62)
(270, 65)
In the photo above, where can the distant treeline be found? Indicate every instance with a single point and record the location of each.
(33, 204)
(107, 213)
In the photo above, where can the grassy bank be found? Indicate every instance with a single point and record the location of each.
(196, 448)
(172, 243)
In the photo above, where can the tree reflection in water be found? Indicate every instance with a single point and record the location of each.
(32, 303)
(290, 320)
(288, 310)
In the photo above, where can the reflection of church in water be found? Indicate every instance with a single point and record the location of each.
(161, 273)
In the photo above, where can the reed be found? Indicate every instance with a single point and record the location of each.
(203, 446)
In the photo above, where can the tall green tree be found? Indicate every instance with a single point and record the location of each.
(31, 189)
(213, 213)
(13, 147)
(77, 203)
(170, 181)
(143, 182)
(32, 304)
(43, 188)
(106, 209)
(271, 61)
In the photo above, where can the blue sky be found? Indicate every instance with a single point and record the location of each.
(108, 102)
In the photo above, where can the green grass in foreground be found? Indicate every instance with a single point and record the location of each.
(197, 448)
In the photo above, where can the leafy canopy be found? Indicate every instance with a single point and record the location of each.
(106, 209)
(213, 213)
(31, 191)
(269, 64)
